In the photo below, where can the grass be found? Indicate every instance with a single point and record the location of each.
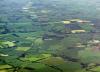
(35, 57)
(89, 56)
(3, 70)
(10, 44)
(22, 48)
(96, 69)
(86, 27)
(5, 66)
(31, 34)
(69, 67)
(53, 61)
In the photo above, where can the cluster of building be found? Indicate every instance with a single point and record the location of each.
(73, 25)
